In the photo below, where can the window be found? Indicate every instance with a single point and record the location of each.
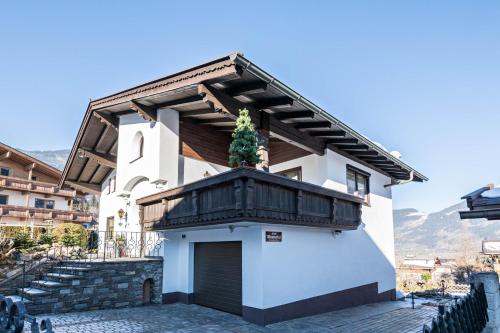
(4, 199)
(295, 173)
(43, 203)
(4, 171)
(110, 227)
(358, 182)
(112, 185)
(34, 178)
(137, 147)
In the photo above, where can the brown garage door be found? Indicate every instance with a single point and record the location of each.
(217, 276)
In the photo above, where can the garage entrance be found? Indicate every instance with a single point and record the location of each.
(217, 276)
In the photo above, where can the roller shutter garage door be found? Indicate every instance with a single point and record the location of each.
(217, 276)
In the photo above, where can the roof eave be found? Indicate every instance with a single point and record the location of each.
(280, 86)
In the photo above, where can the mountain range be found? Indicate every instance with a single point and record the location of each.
(440, 233)
(55, 158)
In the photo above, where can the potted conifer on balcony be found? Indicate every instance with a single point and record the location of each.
(244, 147)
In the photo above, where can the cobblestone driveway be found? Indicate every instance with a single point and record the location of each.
(388, 317)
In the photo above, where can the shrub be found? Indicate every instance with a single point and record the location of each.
(70, 234)
(46, 238)
(426, 277)
(22, 240)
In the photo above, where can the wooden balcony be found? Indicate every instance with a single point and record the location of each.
(245, 194)
(45, 214)
(26, 185)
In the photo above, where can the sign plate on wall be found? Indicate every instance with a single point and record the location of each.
(273, 236)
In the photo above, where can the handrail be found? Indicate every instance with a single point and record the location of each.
(54, 213)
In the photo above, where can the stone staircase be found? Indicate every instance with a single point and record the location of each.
(79, 286)
(59, 290)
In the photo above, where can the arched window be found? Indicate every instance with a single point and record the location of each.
(137, 146)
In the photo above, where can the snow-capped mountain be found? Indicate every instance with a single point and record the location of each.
(440, 233)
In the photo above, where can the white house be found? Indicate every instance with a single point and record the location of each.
(310, 231)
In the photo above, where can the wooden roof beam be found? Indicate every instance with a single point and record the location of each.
(215, 121)
(103, 159)
(195, 113)
(185, 101)
(5, 155)
(285, 132)
(146, 112)
(294, 115)
(247, 89)
(313, 124)
(339, 134)
(355, 147)
(342, 141)
(364, 153)
(370, 159)
(84, 187)
(273, 102)
(30, 166)
(107, 119)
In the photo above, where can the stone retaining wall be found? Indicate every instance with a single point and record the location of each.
(110, 284)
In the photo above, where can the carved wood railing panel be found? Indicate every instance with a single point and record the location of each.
(246, 194)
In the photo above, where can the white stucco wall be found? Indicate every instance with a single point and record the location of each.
(179, 259)
(310, 258)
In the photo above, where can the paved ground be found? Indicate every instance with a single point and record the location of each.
(387, 317)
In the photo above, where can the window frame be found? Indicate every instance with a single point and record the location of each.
(6, 199)
(9, 171)
(138, 146)
(45, 201)
(359, 173)
(298, 169)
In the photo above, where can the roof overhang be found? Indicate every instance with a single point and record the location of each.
(210, 94)
(28, 161)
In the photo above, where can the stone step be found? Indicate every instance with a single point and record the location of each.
(33, 292)
(47, 284)
(62, 276)
(74, 268)
(17, 298)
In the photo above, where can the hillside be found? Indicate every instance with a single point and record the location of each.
(440, 233)
(55, 158)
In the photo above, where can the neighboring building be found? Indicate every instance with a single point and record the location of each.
(413, 268)
(268, 246)
(483, 203)
(29, 194)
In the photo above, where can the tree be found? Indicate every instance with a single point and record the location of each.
(243, 148)
(426, 277)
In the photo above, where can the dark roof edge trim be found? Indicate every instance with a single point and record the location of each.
(280, 86)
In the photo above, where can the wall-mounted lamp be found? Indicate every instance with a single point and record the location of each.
(336, 233)
(231, 228)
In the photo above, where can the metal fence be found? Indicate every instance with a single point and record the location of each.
(13, 317)
(468, 314)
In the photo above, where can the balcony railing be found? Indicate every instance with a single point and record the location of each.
(26, 185)
(245, 194)
(45, 214)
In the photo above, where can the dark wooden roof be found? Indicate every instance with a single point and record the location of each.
(481, 207)
(211, 94)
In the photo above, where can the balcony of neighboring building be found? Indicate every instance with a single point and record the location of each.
(30, 186)
(26, 213)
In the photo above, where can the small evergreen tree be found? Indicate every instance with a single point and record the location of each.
(243, 148)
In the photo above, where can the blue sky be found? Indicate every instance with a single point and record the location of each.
(420, 77)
